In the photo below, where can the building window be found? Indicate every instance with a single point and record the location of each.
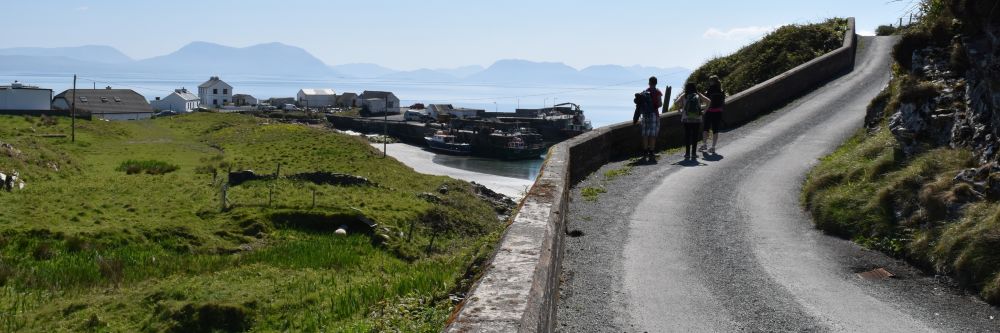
(225, 91)
(215, 91)
(224, 102)
(215, 102)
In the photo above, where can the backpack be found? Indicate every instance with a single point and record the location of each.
(644, 103)
(718, 98)
(692, 106)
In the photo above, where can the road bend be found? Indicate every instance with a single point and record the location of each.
(724, 245)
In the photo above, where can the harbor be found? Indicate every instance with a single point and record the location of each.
(510, 178)
(523, 134)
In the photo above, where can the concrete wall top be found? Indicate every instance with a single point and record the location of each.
(519, 289)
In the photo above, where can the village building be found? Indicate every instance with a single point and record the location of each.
(347, 100)
(435, 110)
(215, 92)
(390, 103)
(178, 101)
(280, 101)
(316, 98)
(244, 100)
(20, 97)
(108, 104)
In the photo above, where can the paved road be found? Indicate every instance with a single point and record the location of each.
(723, 245)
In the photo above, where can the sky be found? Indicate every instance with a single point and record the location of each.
(407, 35)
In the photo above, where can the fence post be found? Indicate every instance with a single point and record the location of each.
(409, 235)
(223, 196)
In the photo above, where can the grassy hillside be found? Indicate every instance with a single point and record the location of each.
(916, 183)
(779, 51)
(88, 246)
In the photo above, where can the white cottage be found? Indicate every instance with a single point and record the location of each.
(179, 101)
(215, 92)
(390, 101)
(316, 98)
(20, 97)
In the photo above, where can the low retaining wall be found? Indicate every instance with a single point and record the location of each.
(406, 132)
(519, 289)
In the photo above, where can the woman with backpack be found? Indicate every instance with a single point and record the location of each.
(713, 116)
(690, 103)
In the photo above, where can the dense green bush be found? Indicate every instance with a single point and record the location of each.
(885, 30)
(152, 167)
(779, 51)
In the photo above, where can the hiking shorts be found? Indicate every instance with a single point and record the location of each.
(650, 125)
(713, 121)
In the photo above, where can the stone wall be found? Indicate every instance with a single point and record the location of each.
(519, 290)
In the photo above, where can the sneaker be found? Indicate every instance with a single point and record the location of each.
(703, 148)
(711, 150)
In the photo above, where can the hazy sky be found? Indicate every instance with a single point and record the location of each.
(434, 33)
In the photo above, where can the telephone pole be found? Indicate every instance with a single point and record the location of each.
(72, 115)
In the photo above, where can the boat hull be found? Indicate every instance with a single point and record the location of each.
(449, 148)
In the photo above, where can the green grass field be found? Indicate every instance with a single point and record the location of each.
(89, 246)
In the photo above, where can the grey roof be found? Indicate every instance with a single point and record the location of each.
(102, 101)
(440, 107)
(241, 96)
(369, 94)
(185, 94)
(212, 81)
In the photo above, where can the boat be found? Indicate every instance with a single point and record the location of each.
(448, 143)
(514, 144)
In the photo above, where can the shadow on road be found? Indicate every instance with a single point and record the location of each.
(712, 157)
(642, 161)
(689, 163)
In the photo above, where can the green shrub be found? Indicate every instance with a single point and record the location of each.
(885, 30)
(152, 167)
(779, 51)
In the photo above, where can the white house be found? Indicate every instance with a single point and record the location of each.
(109, 104)
(316, 98)
(20, 97)
(180, 101)
(215, 92)
(390, 101)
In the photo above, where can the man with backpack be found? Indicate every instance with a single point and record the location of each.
(691, 102)
(647, 105)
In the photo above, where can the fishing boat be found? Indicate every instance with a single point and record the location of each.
(515, 144)
(447, 143)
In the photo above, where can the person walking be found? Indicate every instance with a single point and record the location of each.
(690, 103)
(713, 116)
(647, 105)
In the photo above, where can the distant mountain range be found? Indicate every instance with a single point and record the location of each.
(276, 59)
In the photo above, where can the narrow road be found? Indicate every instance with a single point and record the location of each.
(724, 245)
